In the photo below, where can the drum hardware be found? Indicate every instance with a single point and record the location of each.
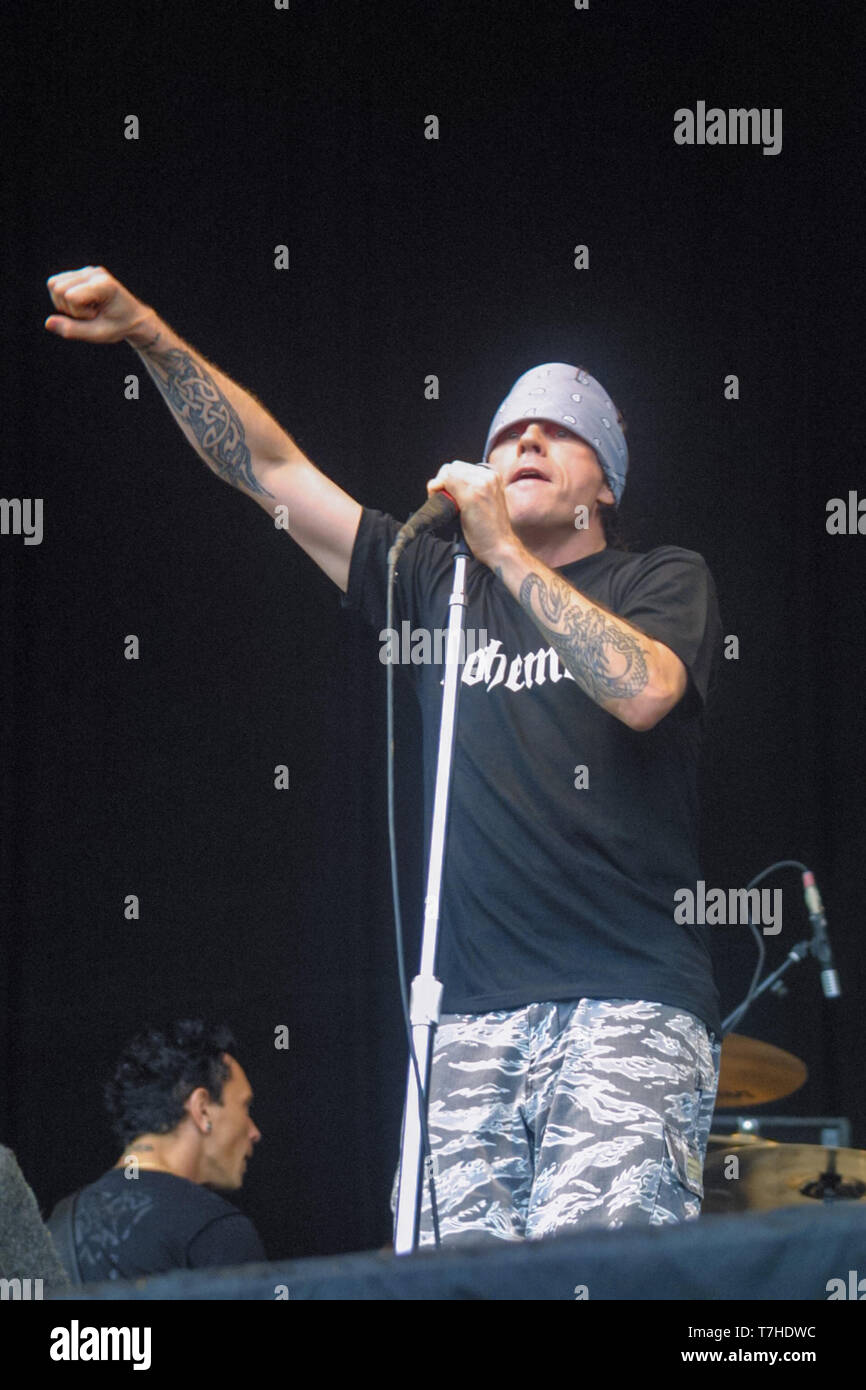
(766, 1176)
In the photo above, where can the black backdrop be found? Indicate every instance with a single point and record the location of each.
(408, 257)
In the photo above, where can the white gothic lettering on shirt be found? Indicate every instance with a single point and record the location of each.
(490, 665)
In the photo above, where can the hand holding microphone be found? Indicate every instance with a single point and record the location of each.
(441, 506)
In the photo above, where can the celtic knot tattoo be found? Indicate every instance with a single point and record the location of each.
(606, 662)
(197, 401)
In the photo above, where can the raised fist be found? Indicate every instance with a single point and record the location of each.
(93, 306)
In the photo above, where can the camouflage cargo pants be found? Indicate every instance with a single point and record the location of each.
(555, 1117)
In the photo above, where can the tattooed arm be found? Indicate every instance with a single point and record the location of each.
(207, 409)
(632, 676)
(228, 428)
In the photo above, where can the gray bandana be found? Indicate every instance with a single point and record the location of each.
(570, 397)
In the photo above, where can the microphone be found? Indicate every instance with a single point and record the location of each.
(820, 940)
(438, 510)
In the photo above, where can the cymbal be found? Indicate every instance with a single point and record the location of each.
(753, 1072)
(736, 1140)
(767, 1176)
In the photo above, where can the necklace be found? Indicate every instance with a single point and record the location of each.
(148, 1165)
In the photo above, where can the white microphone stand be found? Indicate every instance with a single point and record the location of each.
(426, 995)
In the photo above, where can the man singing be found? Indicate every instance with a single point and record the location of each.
(576, 1060)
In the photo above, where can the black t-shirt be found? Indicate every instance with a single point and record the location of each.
(554, 890)
(129, 1227)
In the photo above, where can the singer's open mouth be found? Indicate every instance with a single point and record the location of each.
(528, 475)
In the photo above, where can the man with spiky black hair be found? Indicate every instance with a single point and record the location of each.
(179, 1103)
